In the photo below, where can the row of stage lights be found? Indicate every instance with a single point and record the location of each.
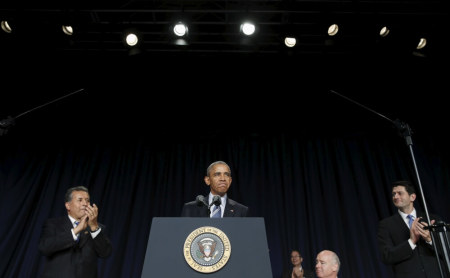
(247, 28)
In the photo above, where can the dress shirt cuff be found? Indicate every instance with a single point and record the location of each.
(94, 234)
(413, 246)
(74, 235)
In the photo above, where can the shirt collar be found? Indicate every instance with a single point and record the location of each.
(404, 215)
(72, 220)
(223, 199)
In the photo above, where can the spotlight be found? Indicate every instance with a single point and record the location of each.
(6, 27)
(131, 39)
(248, 28)
(333, 29)
(422, 43)
(384, 31)
(290, 41)
(68, 30)
(180, 29)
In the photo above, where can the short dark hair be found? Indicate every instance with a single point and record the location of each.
(296, 250)
(407, 184)
(215, 163)
(68, 196)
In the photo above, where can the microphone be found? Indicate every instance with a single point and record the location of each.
(215, 201)
(200, 201)
(5, 124)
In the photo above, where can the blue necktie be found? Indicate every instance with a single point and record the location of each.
(411, 219)
(76, 224)
(217, 212)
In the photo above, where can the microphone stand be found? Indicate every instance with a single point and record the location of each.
(5, 124)
(200, 200)
(405, 131)
(441, 228)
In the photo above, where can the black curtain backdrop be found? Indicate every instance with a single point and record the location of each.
(316, 167)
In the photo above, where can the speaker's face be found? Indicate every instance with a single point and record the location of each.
(219, 179)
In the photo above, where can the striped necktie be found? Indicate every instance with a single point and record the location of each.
(217, 212)
(76, 224)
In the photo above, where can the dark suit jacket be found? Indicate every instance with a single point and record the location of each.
(68, 258)
(287, 273)
(393, 235)
(232, 209)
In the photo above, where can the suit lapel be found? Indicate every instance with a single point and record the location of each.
(401, 223)
(229, 209)
(67, 224)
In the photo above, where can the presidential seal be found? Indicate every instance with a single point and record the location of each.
(207, 249)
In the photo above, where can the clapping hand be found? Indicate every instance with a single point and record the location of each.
(298, 273)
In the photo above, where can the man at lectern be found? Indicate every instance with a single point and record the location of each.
(217, 204)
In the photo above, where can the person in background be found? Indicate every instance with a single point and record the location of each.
(403, 241)
(73, 243)
(218, 178)
(327, 264)
(297, 270)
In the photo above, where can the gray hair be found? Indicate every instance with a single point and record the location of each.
(68, 196)
(208, 170)
(336, 259)
(333, 257)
